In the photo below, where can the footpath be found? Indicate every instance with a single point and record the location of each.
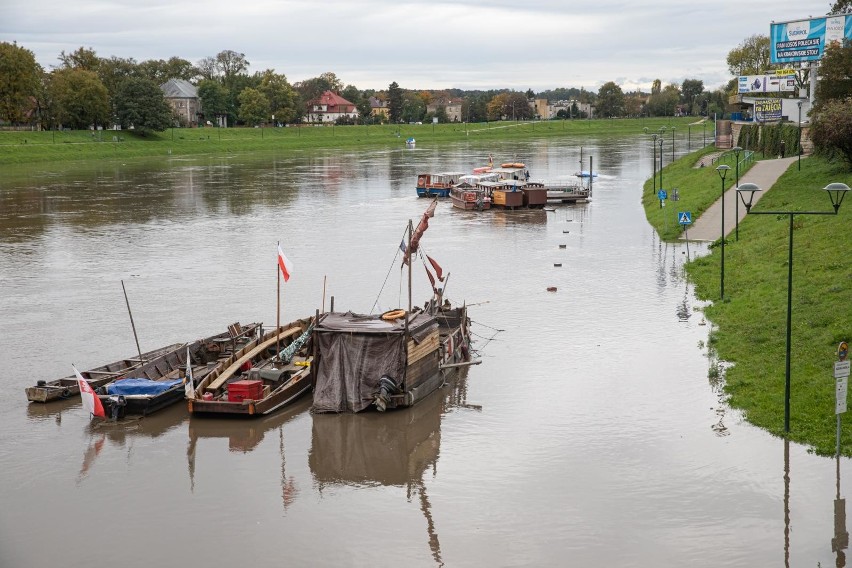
(709, 226)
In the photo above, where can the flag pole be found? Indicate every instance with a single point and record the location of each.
(278, 304)
(133, 325)
(323, 292)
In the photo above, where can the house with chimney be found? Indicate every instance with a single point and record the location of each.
(328, 107)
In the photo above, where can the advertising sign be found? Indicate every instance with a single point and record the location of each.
(767, 110)
(805, 40)
(766, 83)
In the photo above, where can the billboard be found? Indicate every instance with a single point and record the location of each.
(765, 84)
(805, 40)
(766, 110)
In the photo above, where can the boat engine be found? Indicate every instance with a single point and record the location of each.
(387, 388)
(117, 411)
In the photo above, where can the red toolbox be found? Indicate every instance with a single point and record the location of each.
(239, 391)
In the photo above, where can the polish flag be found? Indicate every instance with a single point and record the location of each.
(284, 264)
(91, 402)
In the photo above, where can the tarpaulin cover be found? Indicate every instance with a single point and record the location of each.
(141, 386)
(353, 353)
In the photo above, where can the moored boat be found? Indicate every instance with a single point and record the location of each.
(384, 361)
(394, 359)
(161, 382)
(46, 391)
(437, 184)
(471, 197)
(259, 379)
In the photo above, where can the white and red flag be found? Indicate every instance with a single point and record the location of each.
(91, 402)
(284, 264)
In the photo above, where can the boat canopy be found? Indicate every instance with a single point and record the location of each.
(353, 353)
(127, 387)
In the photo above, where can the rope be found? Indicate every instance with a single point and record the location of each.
(396, 254)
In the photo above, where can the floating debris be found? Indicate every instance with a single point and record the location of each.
(557, 264)
(562, 246)
(551, 288)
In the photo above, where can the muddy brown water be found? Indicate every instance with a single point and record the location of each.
(590, 435)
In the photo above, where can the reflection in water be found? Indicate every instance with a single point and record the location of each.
(787, 503)
(840, 542)
(390, 449)
(244, 435)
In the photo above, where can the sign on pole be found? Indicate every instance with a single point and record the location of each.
(841, 375)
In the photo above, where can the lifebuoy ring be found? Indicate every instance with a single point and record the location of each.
(421, 181)
(469, 197)
(393, 315)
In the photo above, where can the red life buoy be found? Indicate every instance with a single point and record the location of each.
(469, 197)
(421, 181)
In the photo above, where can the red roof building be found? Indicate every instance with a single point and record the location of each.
(328, 107)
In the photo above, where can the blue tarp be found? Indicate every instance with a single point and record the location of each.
(141, 386)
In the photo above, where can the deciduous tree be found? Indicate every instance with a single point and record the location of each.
(831, 128)
(214, 98)
(20, 82)
(835, 73)
(610, 100)
(80, 99)
(139, 103)
(751, 57)
(283, 99)
(254, 107)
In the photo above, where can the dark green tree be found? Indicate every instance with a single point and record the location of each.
(214, 99)
(841, 7)
(139, 103)
(690, 89)
(254, 107)
(610, 100)
(394, 102)
(84, 59)
(20, 83)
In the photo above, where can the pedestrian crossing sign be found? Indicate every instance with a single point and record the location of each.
(684, 217)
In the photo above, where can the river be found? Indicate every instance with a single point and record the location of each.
(590, 435)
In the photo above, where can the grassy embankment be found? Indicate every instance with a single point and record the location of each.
(29, 147)
(749, 327)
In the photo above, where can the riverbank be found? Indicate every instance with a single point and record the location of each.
(749, 326)
(22, 147)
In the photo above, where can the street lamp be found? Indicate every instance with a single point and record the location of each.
(836, 192)
(688, 138)
(654, 161)
(723, 172)
(799, 145)
(736, 150)
(661, 161)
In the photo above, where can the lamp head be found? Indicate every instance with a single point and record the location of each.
(746, 192)
(723, 171)
(836, 192)
(736, 150)
(646, 130)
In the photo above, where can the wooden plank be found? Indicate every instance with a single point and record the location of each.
(418, 351)
(227, 373)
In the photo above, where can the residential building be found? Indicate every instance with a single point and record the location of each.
(328, 107)
(182, 96)
(453, 108)
(379, 107)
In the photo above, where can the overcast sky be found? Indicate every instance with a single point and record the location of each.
(468, 44)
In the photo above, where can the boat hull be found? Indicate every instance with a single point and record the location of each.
(67, 387)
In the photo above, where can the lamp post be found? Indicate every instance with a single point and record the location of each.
(653, 162)
(736, 150)
(799, 145)
(723, 172)
(836, 193)
(661, 161)
(704, 133)
(688, 138)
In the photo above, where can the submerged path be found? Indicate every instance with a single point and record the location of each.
(709, 226)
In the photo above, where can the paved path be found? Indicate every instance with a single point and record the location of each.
(765, 173)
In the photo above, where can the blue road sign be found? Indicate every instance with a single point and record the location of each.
(662, 194)
(684, 217)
